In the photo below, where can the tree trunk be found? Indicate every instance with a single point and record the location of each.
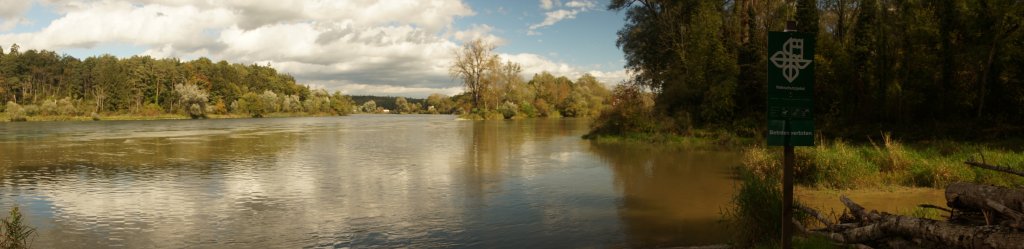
(985, 75)
(887, 225)
(996, 168)
(940, 231)
(972, 197)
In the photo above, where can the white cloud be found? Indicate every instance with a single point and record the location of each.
(535, 64)
(580, 4)
(546, 4)
(555, 16)
(479, 31)
(180, 26)
(397, 47)
(13, 8)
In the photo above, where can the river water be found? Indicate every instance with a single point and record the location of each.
(421, 181)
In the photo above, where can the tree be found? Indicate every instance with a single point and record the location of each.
(341, 104)
(369, 106)
(401, 106)
(807, 16)
(472, 63)
(193, 100)
(439, 103)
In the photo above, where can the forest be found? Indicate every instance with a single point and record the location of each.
(914, 65)
(44, 83)
(495, 89)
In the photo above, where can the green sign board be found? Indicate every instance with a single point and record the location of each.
(790, 89)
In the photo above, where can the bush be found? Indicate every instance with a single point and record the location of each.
(150, 109)
(31, 110)
(756, 211)
(48, 108)
(527, 109)
(15, 112)
(632, 111)
(508, 110)
(67, 107)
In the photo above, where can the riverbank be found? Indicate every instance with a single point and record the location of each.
(697, 139)
(165, 116)
(888, 174)
(882, 162)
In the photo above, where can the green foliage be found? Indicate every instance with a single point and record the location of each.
(890, 63)
(16, 234)
(631, 112)
(255, 104)
(49, 84)
(495, 87)
(341, 104)
(369, 106)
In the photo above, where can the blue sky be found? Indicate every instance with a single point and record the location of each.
(381, 47)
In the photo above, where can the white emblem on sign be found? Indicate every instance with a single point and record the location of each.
(791, 59)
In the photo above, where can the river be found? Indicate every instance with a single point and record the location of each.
(420, 181)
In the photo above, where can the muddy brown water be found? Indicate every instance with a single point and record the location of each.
(423, 181)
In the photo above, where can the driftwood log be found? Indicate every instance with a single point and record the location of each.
(880, 225)
(975, 197)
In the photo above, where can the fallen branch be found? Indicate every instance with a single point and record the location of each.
(1017, 217)
(1007, 170)
(935, 207)
(973, 197)
(885, 225)
(814, 213)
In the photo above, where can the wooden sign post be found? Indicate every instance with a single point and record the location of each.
(790, 107)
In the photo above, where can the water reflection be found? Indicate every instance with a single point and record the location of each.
(671, 197)
(359, 181)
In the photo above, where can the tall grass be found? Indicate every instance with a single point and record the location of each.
(837, 164)
(756, 213)
(15, 233)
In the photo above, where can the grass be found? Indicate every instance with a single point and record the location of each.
(877, 164)
(698, 139)
(838, 164)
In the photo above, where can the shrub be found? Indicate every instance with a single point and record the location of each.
(31, 110)
(67, 107)
(150, 109)
(49, 108)
(527, 110)
(631, 111)
(508, 110)
(15, 112)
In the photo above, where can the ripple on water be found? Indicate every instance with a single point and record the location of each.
(358, 181)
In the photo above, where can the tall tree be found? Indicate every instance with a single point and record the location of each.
(471, 64)
(807, 16)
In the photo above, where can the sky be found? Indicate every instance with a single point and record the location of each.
(360, 47)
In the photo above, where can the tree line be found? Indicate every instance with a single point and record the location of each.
(495, 89)
(40, 82)
(880, 63)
